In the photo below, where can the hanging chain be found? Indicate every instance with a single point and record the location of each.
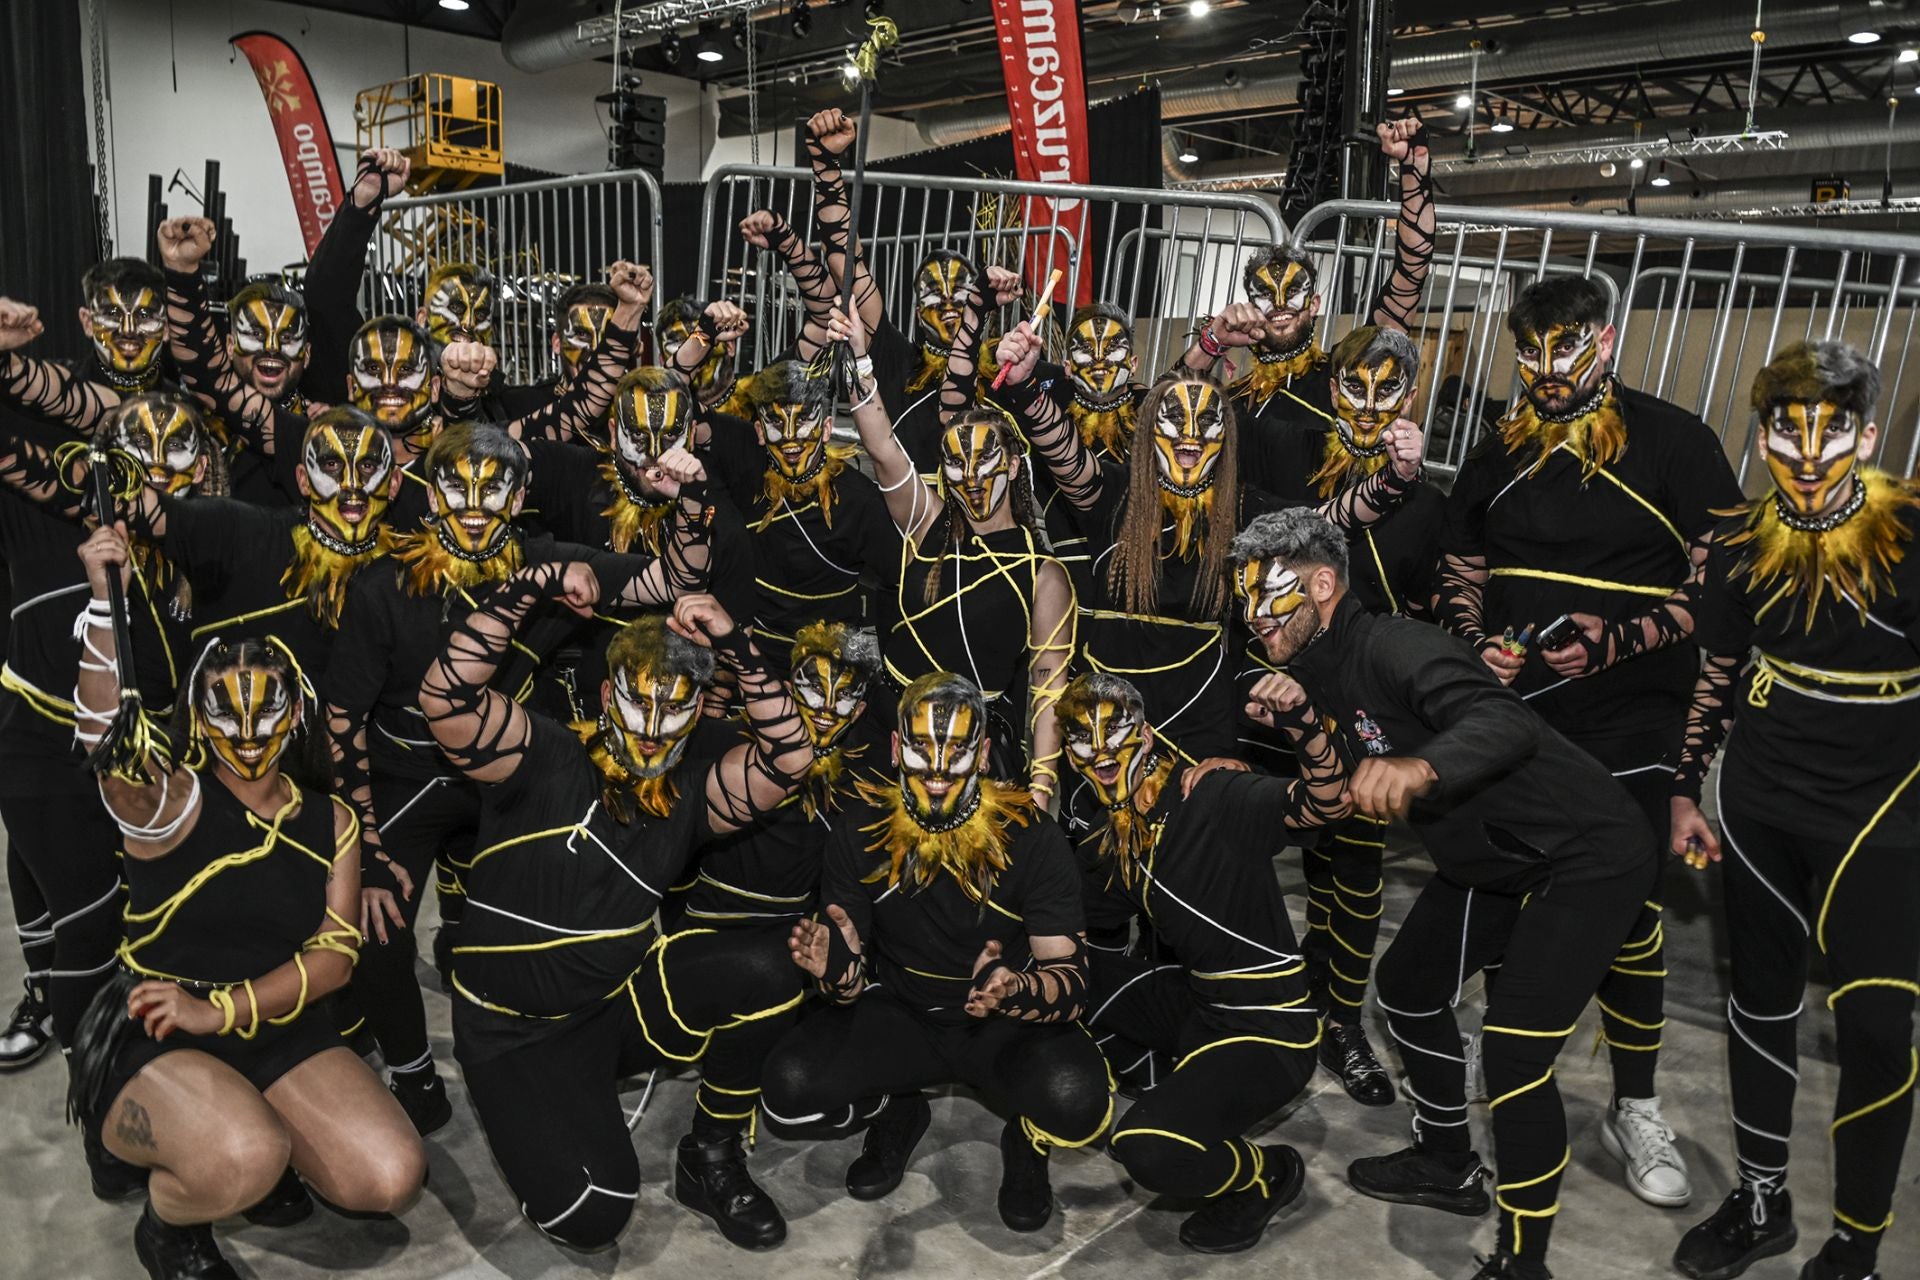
(102, 163)
(1473, 95)
(1759, 39)
(753, 90)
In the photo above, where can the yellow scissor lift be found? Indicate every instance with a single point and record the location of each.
(448, 127)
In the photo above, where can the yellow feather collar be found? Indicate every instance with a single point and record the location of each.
(933, 369)
(1128, 837)
(631, 520)
(432, 569)
(1596, 437)
(1190, 514)
(776, 488)
(322, 575)
(1107, 431)
(620, 790)
(820, 790)
(1852, 560)
(973, 853)
(1267, 376)
(1341, 466)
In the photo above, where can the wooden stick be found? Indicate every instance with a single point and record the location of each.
(1039, 314)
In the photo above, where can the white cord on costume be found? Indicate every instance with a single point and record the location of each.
(98, 613)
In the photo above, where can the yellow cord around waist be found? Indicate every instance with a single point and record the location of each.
(1603, 584)
(1881, 687)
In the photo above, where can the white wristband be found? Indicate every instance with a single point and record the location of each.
(863, 365)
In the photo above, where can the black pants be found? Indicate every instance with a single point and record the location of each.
(551, 1108)
(831, 1070)
(1343, 912)
(1184, 1136)
(1783, 889)
(1558, 939)
(66, 845)
(421, 825)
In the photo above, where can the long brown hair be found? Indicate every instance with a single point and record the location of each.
(1019, 493)
(1133, 575)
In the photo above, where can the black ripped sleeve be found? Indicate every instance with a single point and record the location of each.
(830, 214)
(749, 783)
(54, 394)
(581, 413)
(1368, 499)
(1460, 600)
(56, 482)
(814, 284)
(477, 727)
(1708, 718)
(1075, 471)
(1398, 303)
(201, 354)
(1318, 796)
(1052, 990)
(960, 390)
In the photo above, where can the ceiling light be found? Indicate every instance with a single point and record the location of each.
(1200, 8)
(1909, 55)
(801, 18)
(1637, 163)
(1393, 92)
(1463, 103)
(1189, 156)
(1500, 122)
(1660, 178)
(1865, 35)
(458, 6)
(708, 53)
(670, 45)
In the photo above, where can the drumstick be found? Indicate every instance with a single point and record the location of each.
(1039, 314)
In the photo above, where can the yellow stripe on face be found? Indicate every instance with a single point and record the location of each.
(1100, 354)
(1269, 590)
(1189, 431)
(1564, 352)
(1369, 397)
(940, 285)
(1290, 290)
(165, 440)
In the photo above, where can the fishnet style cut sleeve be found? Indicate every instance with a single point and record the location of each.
(1369, 499)
(201, 354)
(960, 389)
(1398, 303)
(1053, 437)
(581, 414)
(1459, 603)
(750, 781)
(1050, 990)
(482, 732)
(52, 392)
(1708, 718)
(830, 215)
(815, 287)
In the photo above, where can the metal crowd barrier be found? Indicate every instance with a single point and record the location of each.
(1693, 325)
(1199, 240)
(537, 238)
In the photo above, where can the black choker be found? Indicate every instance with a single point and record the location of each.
(1821, 524)
(935, 349)
(131, 382)
(1582, 409)
(1184, 491)
(812, 471)
(1348, 443)
(634, 495)
(1147, 769)
(937, 827)
(459, 552)
(338, 546)
(1085, 401)
(1265, 356)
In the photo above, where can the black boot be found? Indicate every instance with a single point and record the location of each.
(423, 1097)
(28, 1032)
(891, 1138)
(179, 1253)
(1504, 1266)
(1449, 1180)
(283, 1206)
(1026, 1195)
(1233, 1222)
(1749, 1225)
(1345, 1052)
(1839, 1260)
(113, 1178)
(712, 1178)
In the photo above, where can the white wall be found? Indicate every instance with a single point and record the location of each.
(216, 112)
(887, 137)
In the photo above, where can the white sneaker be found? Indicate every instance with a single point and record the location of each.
(1634, 1133)
(1476, 1066)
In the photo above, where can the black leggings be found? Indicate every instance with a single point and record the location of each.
(1343, 912)
(420, 824)
(1557, 941)
(551, 1109)
(832, 1069)
(1860, 910)
(1184, 1137)
(66, 844)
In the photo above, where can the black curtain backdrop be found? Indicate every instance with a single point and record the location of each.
(1123, 151)
(48, 234)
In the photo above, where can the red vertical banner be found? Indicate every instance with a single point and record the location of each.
(1047, 103)
(306, 144)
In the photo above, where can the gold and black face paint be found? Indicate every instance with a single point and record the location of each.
(646, 424)
(165, 437)
(943, 750)
(1283, 293)
(1560, 368)
(1106, 742)
(247, 714)
(127, 327)
(829, 694)
(655, 712)
(473, 497)
(939, 289)
(1812, 451)
(348, 472)
(459, 306)
(1100, 361)
(392, 372)
(976, 467)
(586, 325)
(267, 331)
(705, 375)
(1270, 594)
(796, 438)
(1189, 431)
(1369, 398)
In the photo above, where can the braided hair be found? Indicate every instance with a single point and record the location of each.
(308, 759)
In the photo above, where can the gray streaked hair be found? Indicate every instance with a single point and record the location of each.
(1296, 536)
(1368, 343)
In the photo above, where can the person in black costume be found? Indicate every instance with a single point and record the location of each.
(1196, 859)
(582, 315)
(202, 1061)
(700, 341)
(952, 952)
(1806, 612)
(415, 809)
(1540, 858)
(1592, 499)
(582, 830)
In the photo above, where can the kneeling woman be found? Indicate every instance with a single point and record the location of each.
(196, 1062)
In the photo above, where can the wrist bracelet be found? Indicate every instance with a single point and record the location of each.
(863, 365)
(1210, 345)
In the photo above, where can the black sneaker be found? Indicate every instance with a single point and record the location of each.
(1504, 1266)
(179, 1253)
(712, 1178)
(1438, 1180)
(1026, 1195)
(1832, 1264)
(283, 1206)
(1749, 1225)
(891, 1137)
(112, 1178)
(423, 1098)
(28, 1033)
(1345, 1052)
(1233, 1222)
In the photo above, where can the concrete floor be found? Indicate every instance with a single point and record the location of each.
(942, 1223)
